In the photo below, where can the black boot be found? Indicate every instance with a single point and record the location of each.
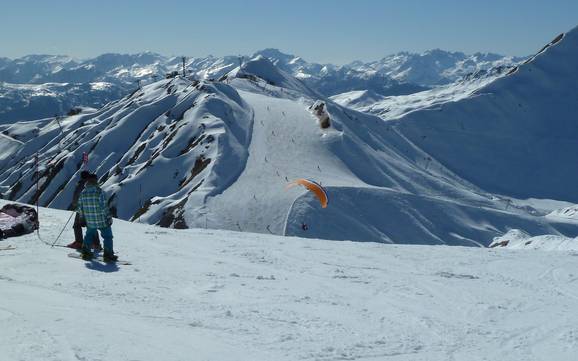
(86, 254)
(109, 256)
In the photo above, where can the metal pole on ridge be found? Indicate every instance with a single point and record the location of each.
(37, 186)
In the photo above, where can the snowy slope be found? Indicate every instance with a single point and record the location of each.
(219, 154)
(383, 186)
(358, 99)
(181, 126)
(517, 239)
(514, 136)
(34, 101)
(215, 295)
(381, 196)
(391, 107)
(570, 212)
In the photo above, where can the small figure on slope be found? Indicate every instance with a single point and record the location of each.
(92, 206)
(79, 222)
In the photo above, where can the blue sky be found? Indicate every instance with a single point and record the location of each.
(318, 30)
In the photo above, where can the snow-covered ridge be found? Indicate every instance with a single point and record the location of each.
(392, 107)
(34, 101)
(124, 71)
(192, 135)
(565, 213)
(218, 154)
(436, 67)
(261, 68)
(514, 135)
(441, 65)
(517, 239)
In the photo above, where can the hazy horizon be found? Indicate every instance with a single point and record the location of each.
(244, 55)
(326, 31)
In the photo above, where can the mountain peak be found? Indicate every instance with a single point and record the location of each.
(443, 53)
(274, 54)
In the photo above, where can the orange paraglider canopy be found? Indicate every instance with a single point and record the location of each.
(314, 187)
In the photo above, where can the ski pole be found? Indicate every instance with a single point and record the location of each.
(63, 228)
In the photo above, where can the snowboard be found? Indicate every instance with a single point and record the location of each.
(7, 248)
(99, 259)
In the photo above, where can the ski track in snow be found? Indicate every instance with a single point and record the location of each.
(221, 295)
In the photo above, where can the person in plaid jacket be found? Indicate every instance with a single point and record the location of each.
(92, 206)
(78, 222)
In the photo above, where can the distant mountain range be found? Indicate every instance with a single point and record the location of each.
(57, 79)
(435, 67)
(458, 165)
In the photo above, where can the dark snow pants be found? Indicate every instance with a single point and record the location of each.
(77, 227)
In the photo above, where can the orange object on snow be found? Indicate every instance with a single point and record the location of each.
(314, 187)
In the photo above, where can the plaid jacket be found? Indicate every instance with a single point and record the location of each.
(92, 206)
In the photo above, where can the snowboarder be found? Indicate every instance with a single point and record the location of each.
(79, 222)
(92, 206)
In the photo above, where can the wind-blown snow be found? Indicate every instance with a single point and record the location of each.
(217, 295)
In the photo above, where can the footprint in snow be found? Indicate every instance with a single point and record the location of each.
(270, 278)
(455, 275)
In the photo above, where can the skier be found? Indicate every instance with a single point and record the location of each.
(78, 221)
(92, 206)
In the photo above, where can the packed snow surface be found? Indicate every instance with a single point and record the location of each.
(222, 295)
